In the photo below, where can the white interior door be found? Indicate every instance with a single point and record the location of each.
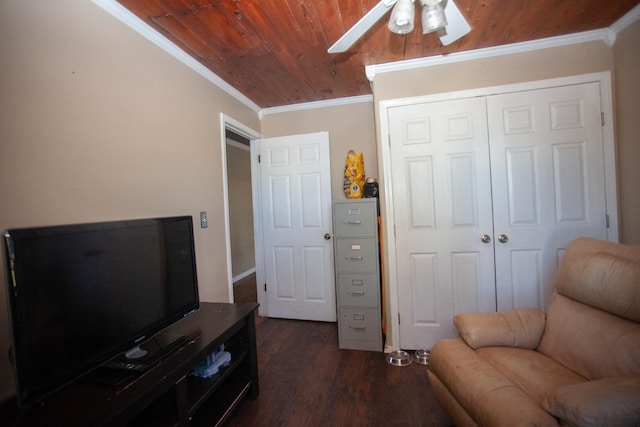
(442, 208)
(296, 214)
(548, 185)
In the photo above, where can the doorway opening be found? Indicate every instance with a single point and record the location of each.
(239, 218)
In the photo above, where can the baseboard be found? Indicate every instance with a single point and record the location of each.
(244, 274)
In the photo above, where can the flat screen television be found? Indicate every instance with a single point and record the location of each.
(82, 295)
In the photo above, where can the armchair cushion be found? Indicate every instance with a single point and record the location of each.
(602, 275)
(611, 401)
(488, 396)
(521, 327)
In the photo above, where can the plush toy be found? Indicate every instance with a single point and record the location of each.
(353, 185)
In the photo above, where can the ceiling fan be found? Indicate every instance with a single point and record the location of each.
(441, 16)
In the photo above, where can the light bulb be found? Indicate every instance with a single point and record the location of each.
(402, 17)
(433, 17)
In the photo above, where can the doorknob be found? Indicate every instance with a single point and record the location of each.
(503, 238)
(327, 236)
(485, 238)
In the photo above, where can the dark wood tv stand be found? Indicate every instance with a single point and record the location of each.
(167, 394)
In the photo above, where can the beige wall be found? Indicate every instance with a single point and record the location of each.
(350, 127)
(495, 71)
(97, 123)
(626, 54)
(240, 210)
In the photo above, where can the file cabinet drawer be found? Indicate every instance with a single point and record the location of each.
(355, 219)
(360, 324)
(358, 289)
(356, 255)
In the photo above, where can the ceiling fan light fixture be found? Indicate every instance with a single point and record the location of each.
(402, 17)
(433, 16)
(440, 16)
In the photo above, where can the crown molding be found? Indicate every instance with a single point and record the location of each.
(372, 70)
(141, 27)
(629, 18)
(318, 104)
(608, 35)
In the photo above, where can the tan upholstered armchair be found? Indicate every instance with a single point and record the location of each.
(577, 364)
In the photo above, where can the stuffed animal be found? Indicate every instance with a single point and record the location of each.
(353, 185)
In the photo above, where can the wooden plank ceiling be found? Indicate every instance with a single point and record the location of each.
(275, 51)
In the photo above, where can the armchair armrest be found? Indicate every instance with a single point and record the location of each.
(520, 327)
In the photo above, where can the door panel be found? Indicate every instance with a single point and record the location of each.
(296, 214)
(548, 184)
(442, 206)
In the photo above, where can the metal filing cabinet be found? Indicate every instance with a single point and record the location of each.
(357, 265)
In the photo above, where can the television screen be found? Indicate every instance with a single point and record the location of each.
(81, 294)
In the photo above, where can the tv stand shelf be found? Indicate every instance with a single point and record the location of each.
(167, 394)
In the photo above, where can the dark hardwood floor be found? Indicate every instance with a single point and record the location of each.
(306, 380)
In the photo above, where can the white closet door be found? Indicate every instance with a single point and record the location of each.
(442, 207)
(548, 184)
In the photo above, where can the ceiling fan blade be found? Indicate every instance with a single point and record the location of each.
(457, 26)
(361, 27)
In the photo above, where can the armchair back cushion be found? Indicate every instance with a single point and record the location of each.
(591, 326)
(601, 274)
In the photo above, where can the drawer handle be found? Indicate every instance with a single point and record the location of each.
(356, 293)
(353, 222)
(355, 258)
(359, 328)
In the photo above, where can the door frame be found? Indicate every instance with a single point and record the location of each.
(384, 165)
(228, 123)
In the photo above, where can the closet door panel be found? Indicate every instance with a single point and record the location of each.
(521, 182)
(548, 184)
(442, 207)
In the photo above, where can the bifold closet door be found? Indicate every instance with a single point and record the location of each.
(487, 193)
(442, 208)
(548, 185)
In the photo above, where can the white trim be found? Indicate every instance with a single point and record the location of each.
(610, 168)
(384, 165)
(509, 49)
(388, 221)
(258, 241)
(632, 16)
(138, 25)
(227, 122)
(239, 128)
(500, 89)
(244, 274)
(318, 104)
(238, 145)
